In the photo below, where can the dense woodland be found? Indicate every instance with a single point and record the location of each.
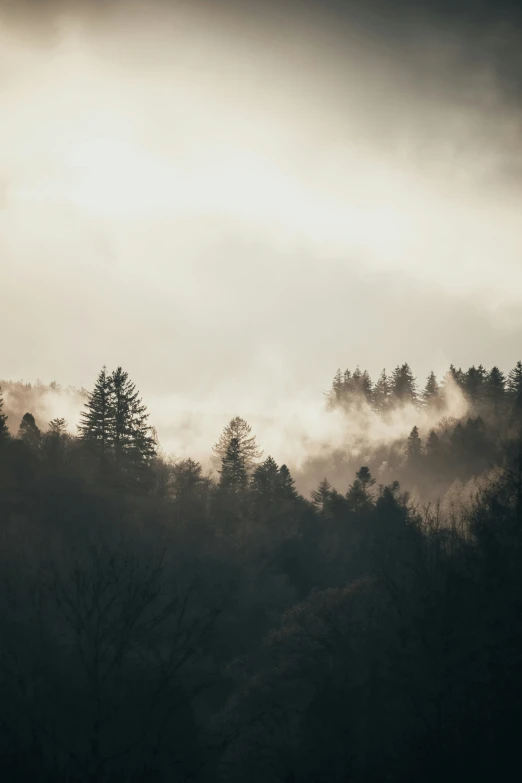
(158, 623)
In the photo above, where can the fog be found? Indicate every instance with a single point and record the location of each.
(231, 207)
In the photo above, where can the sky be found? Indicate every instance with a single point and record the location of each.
(234, 199)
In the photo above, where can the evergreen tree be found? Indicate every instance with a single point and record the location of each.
(431, 393)
(414, 446)
(365, 477)
(381, 393)
(495, 388)
(359, 497)
(321, 495)
(403, 384)
(238, 429)
(457, 375)
(347, 385)
(55, 442)
(29, 432)
(287, 488)
(356, 381)
(233, 469)
(473, 383)
(365, 386)
(433, 445)
(96, 426)
(131, 435)
(115, 426)
(4, 432)
(337, 387)
(514, 387)
(265, 481)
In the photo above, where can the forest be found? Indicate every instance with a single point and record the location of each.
(164, 622)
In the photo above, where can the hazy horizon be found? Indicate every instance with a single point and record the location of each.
(233, 203)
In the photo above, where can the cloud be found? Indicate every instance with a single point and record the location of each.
(233, 210)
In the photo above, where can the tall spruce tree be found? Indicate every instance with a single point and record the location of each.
(321, 495)
(233, 473)
(431, 393)
(414, 446)
(381, 393)
(96, 426)
(473, 383)
(115, 424)
(403, 384)
(495, 388)
(287, 488)
(132, 437)
(359, 496)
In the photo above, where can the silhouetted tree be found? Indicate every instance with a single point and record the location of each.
(131, 435)
(233, 470)
(414, 446)
(321, 495)
(286, 484)
(431, 393)
(97, 421)
(245, 443)
(359, 496)
(403, 384)
(474, 383)
(55, 443)
(381, 393)
(495, 388)
(29, 433)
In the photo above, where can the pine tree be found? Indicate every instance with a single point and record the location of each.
(131, 435)
(457, 375)
(358, 496)
(414, 445)
(334, 396)
(433, 445)
(4, 432)
(431, 393)
(495, 388)
(115, 425)
(321, 495)
(514, 387)
(238, 429)
(365, 386)
(55, 442)
(403, 384)
(347, 385)
(96, 426)
(473, 383)
(233, 469)
(287, 488)
(265, 485)
(381, 393)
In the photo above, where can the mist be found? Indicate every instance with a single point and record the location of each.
(233, 547)
(221, 220)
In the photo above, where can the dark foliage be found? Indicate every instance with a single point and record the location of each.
(160, 624)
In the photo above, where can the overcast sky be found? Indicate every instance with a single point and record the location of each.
(233, 199)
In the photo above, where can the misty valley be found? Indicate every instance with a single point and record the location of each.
(171, 619)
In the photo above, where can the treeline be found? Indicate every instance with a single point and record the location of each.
(483, 389)
(158, 623)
